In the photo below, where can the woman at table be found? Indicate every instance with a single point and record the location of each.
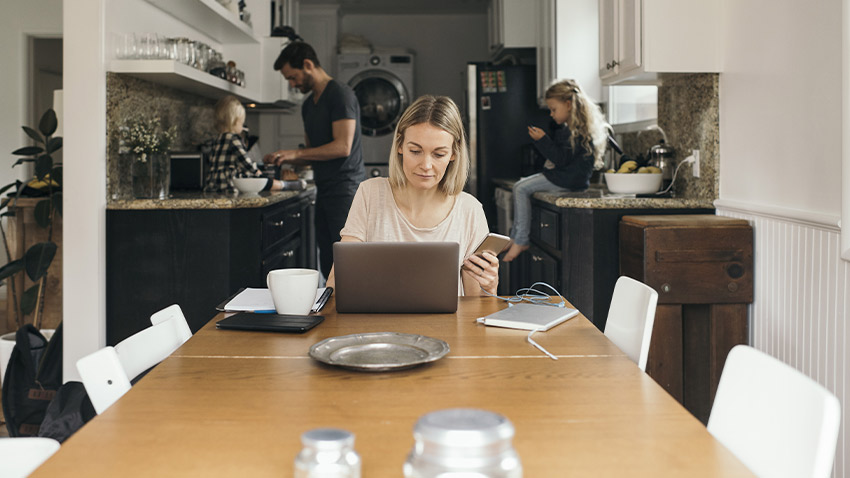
(423, 198)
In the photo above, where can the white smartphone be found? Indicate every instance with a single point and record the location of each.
(494, 243)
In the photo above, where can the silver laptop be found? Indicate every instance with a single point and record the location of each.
(397, 277)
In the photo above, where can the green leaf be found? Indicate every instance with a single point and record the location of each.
(28, 300)
(37, 259)
(56, 174)
(23, 160)
(33, 134)
(57, 201)
(43, 166)
(6, 188)
(54, 144)
(11, 269)
(28, 151)
(48, 123)
(42, 213)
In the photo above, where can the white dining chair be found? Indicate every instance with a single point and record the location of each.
(630, 318)
(20, 456)
(777, 421)
(106, 373)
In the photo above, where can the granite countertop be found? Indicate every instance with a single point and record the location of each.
(598, 197)
(202, 200)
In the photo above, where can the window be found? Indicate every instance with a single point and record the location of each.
(632, 104)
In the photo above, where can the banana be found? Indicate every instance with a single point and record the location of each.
(611, 170)
(628, 167)
(653, 170)
(642, 170)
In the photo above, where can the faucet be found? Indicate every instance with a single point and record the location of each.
(656, 128)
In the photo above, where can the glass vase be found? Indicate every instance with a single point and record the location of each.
(151, 175)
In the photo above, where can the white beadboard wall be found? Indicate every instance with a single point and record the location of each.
(801, 301)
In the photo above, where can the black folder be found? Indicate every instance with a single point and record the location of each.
(270, 322)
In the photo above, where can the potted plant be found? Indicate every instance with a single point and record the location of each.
(46, 186)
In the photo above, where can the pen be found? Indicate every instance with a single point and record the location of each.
(323, 299)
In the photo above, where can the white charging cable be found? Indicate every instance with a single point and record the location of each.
(690, 159)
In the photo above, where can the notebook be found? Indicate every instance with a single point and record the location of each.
(396, 277)
(529, 317)
(270, 322)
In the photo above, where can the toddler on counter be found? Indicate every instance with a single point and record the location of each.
(229, 157)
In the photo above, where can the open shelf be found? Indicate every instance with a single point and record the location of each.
(209, 17)
(181, 77)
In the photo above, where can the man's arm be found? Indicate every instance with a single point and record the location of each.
(343, 132)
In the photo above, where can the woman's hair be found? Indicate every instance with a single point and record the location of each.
(585, 120)
(227, 111)
(440, 112)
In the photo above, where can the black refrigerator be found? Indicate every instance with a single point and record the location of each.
(501, 104)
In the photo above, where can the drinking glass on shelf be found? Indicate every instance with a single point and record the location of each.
(124, 45)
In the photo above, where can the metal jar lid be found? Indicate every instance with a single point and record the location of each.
(328, 438)
(463, 427)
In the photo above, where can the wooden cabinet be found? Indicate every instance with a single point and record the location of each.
(198, 257)
(576, 250)
(702, 268)
(509, 22)
(638, 39)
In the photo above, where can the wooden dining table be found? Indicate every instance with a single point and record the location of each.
(235, 403)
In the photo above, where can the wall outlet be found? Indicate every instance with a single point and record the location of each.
(695, 165)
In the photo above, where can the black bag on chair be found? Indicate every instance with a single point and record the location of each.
(33, 376)
(69, 410)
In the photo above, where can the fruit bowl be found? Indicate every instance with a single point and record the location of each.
(250, 185)
(633, 183)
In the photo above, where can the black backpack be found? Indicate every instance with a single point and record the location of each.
(33, 376)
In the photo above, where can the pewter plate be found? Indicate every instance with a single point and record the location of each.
(379, 351)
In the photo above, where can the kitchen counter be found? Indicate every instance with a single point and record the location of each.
(202, 200)
(598, 197)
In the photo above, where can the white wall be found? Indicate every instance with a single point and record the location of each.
(780, 167)
(19, 21)
(443, 45)
(780, 105)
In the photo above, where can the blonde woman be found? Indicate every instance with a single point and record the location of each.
(575, 148)
(423, 198)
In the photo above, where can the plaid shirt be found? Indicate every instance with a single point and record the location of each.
(229, 160)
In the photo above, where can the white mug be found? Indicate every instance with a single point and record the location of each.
(293, 290)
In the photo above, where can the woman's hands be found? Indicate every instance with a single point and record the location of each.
(483, 269)
(535, 133)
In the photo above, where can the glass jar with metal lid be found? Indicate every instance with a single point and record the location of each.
(327, 453)
(463, 442)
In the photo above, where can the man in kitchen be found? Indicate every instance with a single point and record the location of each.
(332, 130)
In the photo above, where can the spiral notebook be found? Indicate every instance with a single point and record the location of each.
(529, 317)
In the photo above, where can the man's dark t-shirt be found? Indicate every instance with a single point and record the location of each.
(337, 102)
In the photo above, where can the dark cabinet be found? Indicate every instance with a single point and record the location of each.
(198, 257)
(576, 250)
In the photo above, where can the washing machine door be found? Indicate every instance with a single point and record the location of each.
(382, 97)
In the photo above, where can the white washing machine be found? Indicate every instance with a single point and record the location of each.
(383, 83)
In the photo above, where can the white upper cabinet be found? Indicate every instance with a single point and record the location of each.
(566, 47)
(509, 22)
(638, 39)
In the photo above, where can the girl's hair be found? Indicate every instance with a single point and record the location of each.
(440, 112)
(585, 120)
(227, 111)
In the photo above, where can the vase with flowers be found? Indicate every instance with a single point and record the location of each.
(147, 142)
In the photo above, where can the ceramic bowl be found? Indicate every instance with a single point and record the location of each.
(250, 185)
(633, 183)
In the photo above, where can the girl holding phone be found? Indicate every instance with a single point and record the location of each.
(573, 150)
